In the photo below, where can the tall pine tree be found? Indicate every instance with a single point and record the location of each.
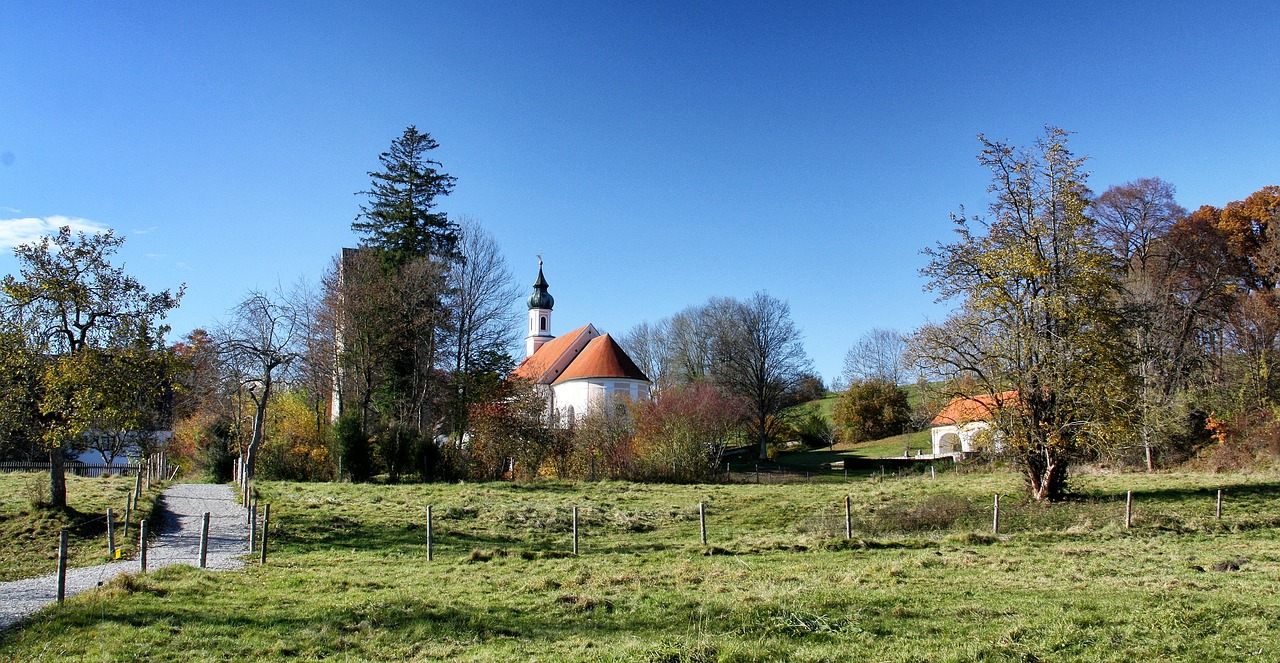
(399, 219)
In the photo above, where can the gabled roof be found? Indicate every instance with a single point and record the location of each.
(967, 409)
(536, 367)
(602, 358)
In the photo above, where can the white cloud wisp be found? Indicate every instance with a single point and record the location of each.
(24, 231)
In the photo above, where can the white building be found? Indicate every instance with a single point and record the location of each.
(581, 370)
(965, 424)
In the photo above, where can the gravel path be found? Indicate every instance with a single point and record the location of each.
(178, 543)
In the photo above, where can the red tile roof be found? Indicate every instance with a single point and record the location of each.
(966, 409)
(602, 358)
(535, 366)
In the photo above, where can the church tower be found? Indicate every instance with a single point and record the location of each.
(540, 303)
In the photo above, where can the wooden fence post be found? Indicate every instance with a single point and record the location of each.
(995, 515)
(266, 523)
(932, 473)
(142, 545)
(430, 543)
(1219, 511)
(253, 526)
(62, 565)
(137, 485)
(848, 519)
(1128, 509)
(111, 533)
(702, 521)
(204, 539)
(575, 530)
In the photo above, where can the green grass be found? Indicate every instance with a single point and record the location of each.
(921, 579)
(30, 533)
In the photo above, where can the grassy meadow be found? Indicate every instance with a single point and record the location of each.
(922, 577)
(30, 532)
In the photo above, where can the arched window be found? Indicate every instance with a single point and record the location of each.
(542, 324)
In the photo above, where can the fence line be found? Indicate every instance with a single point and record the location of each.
(74, 469)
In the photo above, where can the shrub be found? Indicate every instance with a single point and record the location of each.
(354, 450)
(872, 410)
(933, 513)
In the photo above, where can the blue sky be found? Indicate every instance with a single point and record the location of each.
(656, 154)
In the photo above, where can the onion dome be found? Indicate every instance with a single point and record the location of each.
(540, 297)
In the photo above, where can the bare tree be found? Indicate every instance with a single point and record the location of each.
(878, 356)
(692, 337)
(481, 300)
(649, 345)
(1133, 215)
(263, 340)
(759, 356)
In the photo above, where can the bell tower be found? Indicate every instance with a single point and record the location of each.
(540, 305)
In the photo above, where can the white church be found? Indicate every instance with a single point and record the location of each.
(581, 370)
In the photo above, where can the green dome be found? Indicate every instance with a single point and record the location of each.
(540, 297)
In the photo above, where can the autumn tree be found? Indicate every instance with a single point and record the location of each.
(1134, 220)
(649, 346)
(206, 421)
(68, 306)
(871, 410)
(511, 435)
(681, 434)
(1037, 312)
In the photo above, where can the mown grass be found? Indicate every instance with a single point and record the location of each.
(30, 531)
(922, 578)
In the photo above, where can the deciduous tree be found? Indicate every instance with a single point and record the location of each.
(871, 410)
(68, 304)
(480, 297)
(758, 356)
(878, 355)
(1037, 315)
(262, 342)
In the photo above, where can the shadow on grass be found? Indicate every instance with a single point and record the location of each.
(1230, 490)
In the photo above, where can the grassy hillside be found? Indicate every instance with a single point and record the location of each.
(921, 579)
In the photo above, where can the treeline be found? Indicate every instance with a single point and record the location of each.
(1120, 327)
(402, 337)
(409, 337)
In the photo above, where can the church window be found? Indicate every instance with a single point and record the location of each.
(542, 324)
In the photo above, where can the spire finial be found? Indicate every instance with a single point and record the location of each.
(539, 260)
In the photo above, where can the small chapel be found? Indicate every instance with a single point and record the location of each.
(581, 370)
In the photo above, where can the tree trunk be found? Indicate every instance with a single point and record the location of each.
(1046, 475)
(259, 422)
(764, 438)
(57, 478)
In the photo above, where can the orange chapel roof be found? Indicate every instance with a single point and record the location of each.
(602, 358)
(535, 366)
(966, 409)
